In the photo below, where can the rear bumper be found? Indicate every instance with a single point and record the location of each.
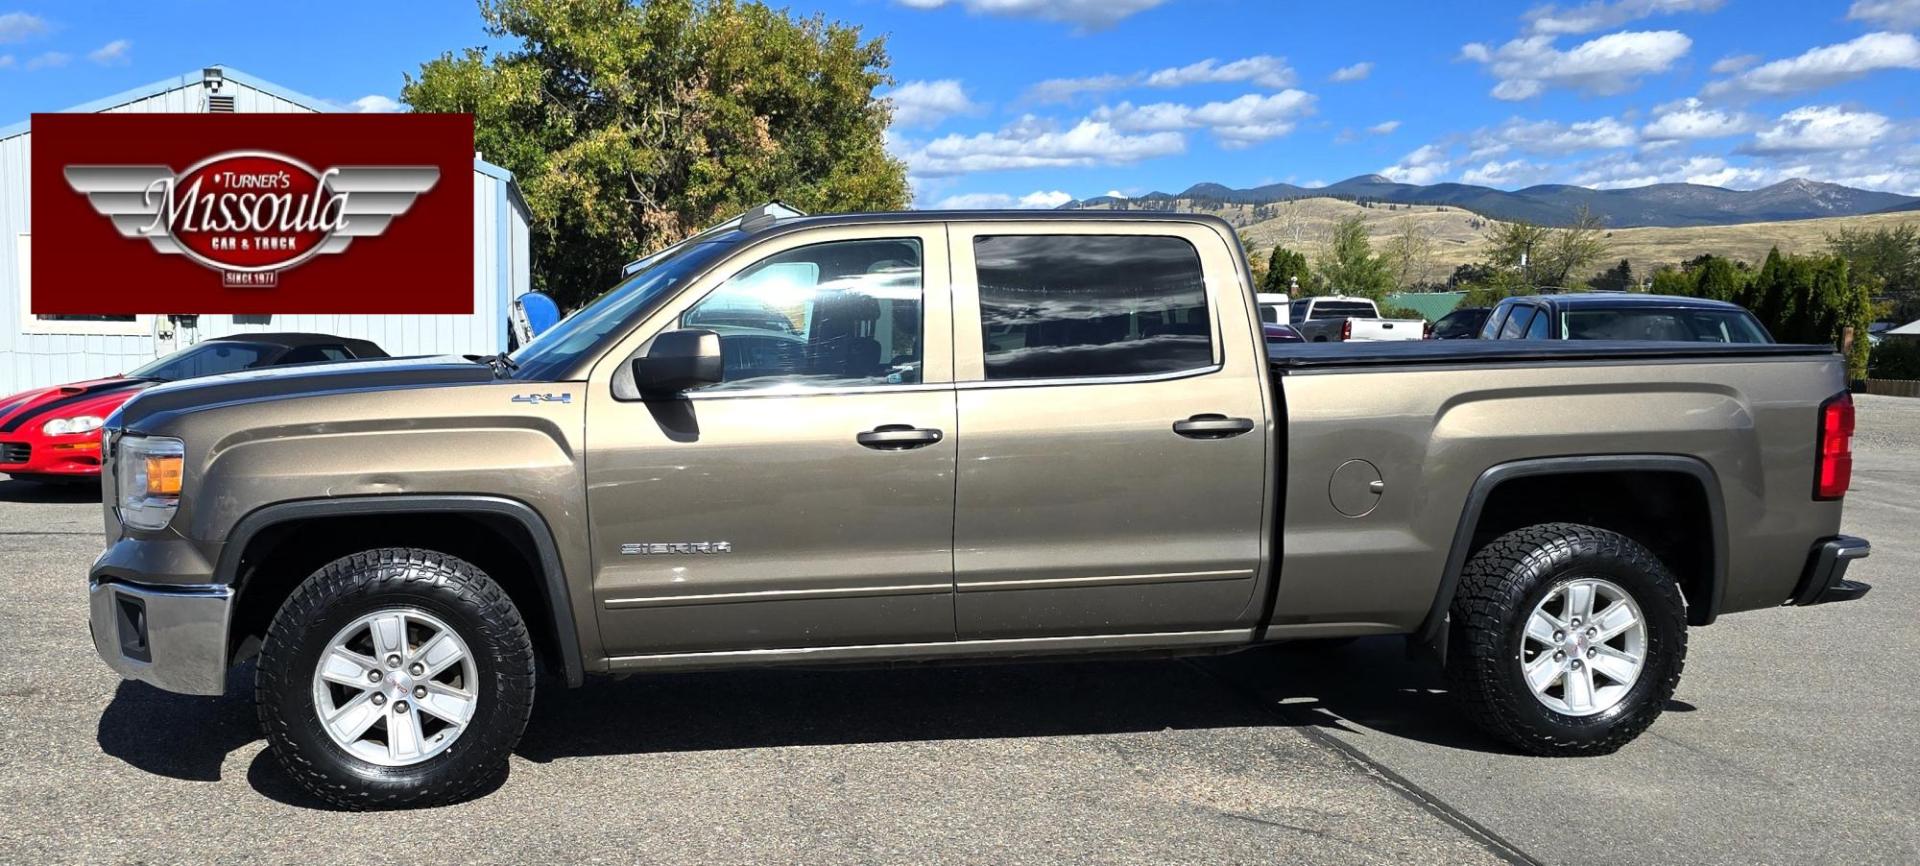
(172, 637)
(1825, 580)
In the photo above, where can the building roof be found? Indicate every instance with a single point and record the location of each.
(1430, 305)
(1910, 329)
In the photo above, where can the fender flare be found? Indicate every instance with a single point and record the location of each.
(1432, 631)
(553, 578)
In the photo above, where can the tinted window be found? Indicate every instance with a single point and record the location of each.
(1459, 325)
(1492, 328)
(838, 314)
(1670, 324)
(1343, 310)
(312, 354)
(1299, 311)
(206, 359)
(1270, 314)
(1516, 323)
(1538, 330)
(1055, 306)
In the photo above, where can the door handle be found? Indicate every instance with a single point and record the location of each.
(898, 437)
(1212, 427)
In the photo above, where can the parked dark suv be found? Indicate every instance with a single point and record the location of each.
(1622, 316)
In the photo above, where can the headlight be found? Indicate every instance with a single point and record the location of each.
(72, 426)
(148, 469)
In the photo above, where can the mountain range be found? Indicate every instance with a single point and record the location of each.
(1663, 204)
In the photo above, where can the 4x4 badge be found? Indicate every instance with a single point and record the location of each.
(543, 398)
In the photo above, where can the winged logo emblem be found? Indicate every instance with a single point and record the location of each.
(251, 214)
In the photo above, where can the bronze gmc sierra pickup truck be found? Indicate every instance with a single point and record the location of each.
(918, 437)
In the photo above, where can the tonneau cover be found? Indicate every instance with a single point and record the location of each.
(1309, 356)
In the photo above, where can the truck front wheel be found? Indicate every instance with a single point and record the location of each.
(394, 678)
(1566, 639)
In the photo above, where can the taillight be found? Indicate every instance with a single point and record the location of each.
(1833, 455)
(1346, 330)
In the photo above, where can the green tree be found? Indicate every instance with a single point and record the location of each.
(1570, 249)
(1518, 246)
(1618, 278)
(1284, 267)
(1718, 279)
(1348, 264)
(631, 125)
(1670, 280)
(1886, 261)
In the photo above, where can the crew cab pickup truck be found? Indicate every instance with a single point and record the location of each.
(919, 437)
(1338, 318)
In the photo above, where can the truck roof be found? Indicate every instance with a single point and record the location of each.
(786, 224)
(1631, 299)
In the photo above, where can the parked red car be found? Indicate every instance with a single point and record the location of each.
(53, 434)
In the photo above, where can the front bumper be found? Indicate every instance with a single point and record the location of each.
(1825, 580)
(172, 637)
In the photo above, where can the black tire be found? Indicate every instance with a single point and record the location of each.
(446, 587)
(1499, 590)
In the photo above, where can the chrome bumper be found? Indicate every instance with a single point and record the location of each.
(174, 637)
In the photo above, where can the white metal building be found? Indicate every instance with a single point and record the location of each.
(48, 350)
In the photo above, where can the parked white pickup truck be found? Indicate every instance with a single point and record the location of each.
(1335, 318)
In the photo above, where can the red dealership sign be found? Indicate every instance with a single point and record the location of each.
(252, 213)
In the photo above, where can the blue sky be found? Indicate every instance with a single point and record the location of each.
(1035, 101)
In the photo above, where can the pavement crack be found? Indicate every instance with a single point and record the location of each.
(1426, 801)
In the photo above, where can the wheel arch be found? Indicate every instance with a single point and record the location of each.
(1704, 583)
(259, 535)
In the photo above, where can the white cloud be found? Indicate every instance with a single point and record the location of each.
(1512, 173)
(1552, 137)
(1898, 14)
(929, 103)
(1714, 171)
(1690, 119)
(1035, 143)
(6, 61)
(1552, 20)
(1357, 72)
(1385, 127)
(1821, 128)
(1237, 123)
(1422, 166)
(1262, 70)
(1734, 63)
(376, 104)
(1826, 66)
(1037, 200)
(1611, 64)
(1114, 193)
(1085, 14)
(20, 26)
(49, 60)
(115, 53)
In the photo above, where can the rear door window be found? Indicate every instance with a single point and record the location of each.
(1538, 330)
(1516, 324)
(1078, 306)
(1342, 310)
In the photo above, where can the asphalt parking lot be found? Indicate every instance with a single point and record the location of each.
(1791, 740)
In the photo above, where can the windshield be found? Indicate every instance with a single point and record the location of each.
(1671, 324)
(552, 353)
(205, 359)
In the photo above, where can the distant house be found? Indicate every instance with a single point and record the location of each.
(1909, 332)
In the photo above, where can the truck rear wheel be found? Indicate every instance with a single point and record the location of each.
(1566, 639)
(395, 678)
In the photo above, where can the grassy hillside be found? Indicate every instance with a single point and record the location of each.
(1460, 236)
